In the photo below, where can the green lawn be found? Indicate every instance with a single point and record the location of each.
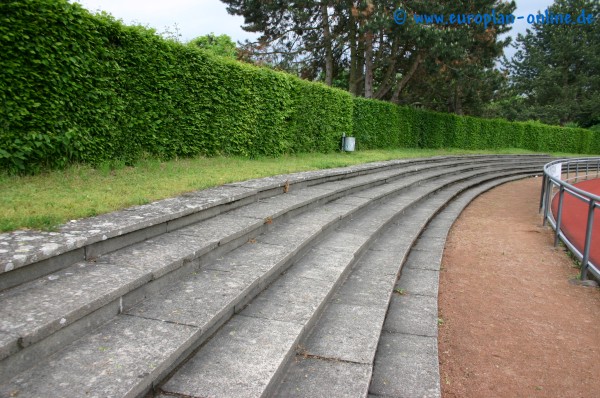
(47, 200)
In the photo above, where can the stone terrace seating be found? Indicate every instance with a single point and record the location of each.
(278, 286)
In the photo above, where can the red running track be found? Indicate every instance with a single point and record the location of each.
(574, 219)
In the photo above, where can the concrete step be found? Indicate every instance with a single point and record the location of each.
(39, 317)
(342, 345)
(230, 284)
(406, 362)
(27, 255)
(31, 311)
(273, 323)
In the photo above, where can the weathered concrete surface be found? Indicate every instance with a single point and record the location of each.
(240, 361)
(347, 333)
(322, 264)
(412, 314)
(293, 300)
(8, 344)
(130, 351)
(313, 377)
(419, 281)
(221, 229)
(20, 248)
(328, 215)
(406, 366)
(343, 241)
(188, 250)
(369, 283)
(35, 310)
(378, 217)
(253, 258)
(24, 247)
(301, 292)
(349, 328)
(276, 206)
(353, 200)
(319, 176)
(426, 255)
(293, 234)
(199, 300)
(160, 255)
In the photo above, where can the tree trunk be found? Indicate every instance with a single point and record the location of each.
(406, 78)
(368, 37)
(458, 100)
(390, 74)
(328, 44)
(352, 86)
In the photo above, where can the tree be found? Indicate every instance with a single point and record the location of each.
(357, 45)
(556, 69)
(220, 45)
(459, 73)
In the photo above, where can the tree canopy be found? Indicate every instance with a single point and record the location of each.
(358, 46)
(221, 45)
(555, 74)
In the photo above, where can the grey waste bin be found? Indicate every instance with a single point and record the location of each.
(349, 143)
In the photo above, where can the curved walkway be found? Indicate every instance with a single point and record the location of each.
(574, 219)
(513, 325)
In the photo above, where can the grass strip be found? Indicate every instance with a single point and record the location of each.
(49, 199)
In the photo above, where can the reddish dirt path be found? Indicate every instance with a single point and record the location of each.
(574, 219)
(513, 326)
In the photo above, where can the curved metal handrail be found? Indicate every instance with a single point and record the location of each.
(554, 176)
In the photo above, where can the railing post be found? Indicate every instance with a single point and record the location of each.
(543, 192)
(588, 241)
(561, 196)
(587, 170)
(547, 201)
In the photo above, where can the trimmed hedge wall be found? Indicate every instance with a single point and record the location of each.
(78, 87)
(380, 124)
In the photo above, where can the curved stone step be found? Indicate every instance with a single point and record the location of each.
(337, 357)
(407, 363)
(276, 320)
(220, 231)
(27, 255)
(41, 316)
(187, 336)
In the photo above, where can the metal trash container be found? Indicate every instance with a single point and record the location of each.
(348, 144)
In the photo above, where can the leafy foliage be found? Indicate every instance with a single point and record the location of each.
(555, 73)
(219, 45)
(380, 124)
(85, 88)
(358, 46)
(377, 124)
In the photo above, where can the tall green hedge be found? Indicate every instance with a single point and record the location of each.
(377, 124)
(82, 87)
(380, 124)
(319, 117)
(77, 87)
(593, 142)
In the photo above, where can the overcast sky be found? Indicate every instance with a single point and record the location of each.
(193, 17)
(200, 17)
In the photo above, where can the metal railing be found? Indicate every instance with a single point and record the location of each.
(558, 175)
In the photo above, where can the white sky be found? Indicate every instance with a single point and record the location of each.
(200, 17)
(193, 17)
